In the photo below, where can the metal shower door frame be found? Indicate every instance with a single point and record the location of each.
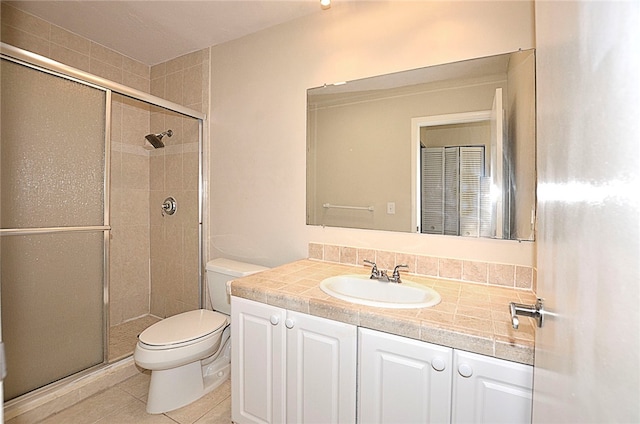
(58, 69)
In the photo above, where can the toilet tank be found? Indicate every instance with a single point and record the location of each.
(220, 271)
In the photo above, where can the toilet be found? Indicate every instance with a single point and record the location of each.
(189, 354)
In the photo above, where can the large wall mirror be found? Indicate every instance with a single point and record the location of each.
(447, 149)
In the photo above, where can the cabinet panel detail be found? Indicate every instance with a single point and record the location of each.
(489, 390)
(258, 368)
(399, 381)
(321, 373)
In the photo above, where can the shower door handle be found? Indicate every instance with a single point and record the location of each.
(3, 363)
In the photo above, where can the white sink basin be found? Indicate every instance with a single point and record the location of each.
(364, 291)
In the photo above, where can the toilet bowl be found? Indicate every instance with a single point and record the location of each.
(189, 354)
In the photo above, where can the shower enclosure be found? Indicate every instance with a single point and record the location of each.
(83, 240)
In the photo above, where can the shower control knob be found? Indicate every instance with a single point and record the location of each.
(169, 206)
(275, 319)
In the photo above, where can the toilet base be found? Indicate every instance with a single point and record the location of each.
(174, 388)
(177, 387)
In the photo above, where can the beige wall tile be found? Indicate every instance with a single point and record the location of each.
(156, 172)
(116, 170)
(192, 90)
(316, 251)
(135, 207)
(406, 259)
(70, 57)
(70, 40)
(194, 58)
(135, 81)
(173, 87)
(116, 119)
(426, 265)
(474, 271)
(25, 40)
(25, 22)
(524, 277)
(368, 254)
(159, 70)
(190, 170)
(104, 70)
(173, 172)
(331, 253)
(174, 122)
(106, 55)
(135, 125)
(135, 172)
(156, 86)
(135, 67)
(175, 65)
(348, 255)
(385, 259)
(450, 268)
(501, 275)
(190, 130)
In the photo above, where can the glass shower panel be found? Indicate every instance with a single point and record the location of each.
(53, 147)
(52, 198)
(52, 303)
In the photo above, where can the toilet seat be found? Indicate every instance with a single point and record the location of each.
(182, 330)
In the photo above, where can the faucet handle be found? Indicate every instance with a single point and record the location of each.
(396, 273)
(374, 270)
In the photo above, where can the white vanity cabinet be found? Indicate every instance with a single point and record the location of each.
(297, 368)
(291, 367)
(490, 390)
(403, 380)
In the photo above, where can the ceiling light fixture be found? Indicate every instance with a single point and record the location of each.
(325, 4)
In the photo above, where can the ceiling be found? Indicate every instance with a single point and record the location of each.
(153, 31)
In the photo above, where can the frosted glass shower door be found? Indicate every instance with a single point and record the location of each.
(53, 226)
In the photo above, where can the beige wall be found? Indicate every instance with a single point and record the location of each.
(258, 118)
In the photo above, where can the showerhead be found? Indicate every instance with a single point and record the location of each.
(155, 140)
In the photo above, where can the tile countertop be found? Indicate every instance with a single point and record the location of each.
(470, 317)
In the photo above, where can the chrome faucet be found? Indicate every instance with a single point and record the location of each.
(375, 274)
(395, 278)
(381, 275)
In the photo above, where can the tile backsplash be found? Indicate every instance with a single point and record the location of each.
(495, 274)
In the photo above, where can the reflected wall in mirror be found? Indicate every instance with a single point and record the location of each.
(447, 149)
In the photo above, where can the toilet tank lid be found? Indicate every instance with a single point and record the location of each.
(233, 268)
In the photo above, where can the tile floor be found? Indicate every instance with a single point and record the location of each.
(126, 402)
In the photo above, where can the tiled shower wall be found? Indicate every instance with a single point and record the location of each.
(129, 254)
(174, 172)
(139, 178)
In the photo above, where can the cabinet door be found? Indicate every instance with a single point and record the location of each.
(403, 380)
(257, 362)
(321, 370)
(490, 390)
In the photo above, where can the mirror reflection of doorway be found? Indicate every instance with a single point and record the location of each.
(460, 172)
